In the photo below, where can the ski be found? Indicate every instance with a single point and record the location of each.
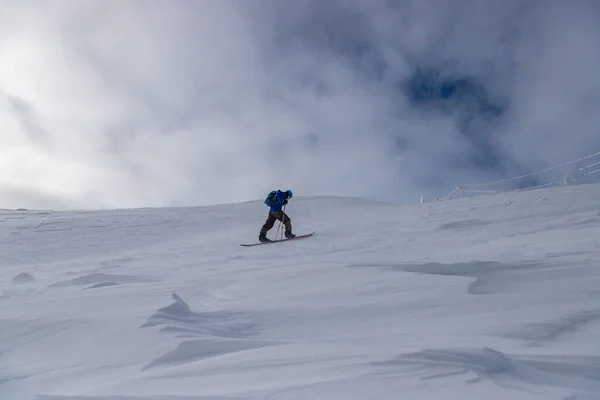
(278, 240)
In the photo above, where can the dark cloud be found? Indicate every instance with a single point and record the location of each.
(145, 103)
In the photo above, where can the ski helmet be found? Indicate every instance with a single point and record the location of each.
(289, 192)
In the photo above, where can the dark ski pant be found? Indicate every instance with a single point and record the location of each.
(274, 216)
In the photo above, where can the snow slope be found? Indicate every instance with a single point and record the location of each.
(484, 298)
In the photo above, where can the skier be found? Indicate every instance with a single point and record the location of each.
(276, 199)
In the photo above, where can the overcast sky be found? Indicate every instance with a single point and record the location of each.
(175, 102)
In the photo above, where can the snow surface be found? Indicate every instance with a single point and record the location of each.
(486, 298)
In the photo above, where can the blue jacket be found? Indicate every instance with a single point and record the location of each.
(280, 196)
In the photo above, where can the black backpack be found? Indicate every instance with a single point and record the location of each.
(271, 199)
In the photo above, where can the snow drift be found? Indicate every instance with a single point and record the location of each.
(493, 297)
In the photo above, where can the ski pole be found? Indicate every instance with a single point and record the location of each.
(277, 233)
(281, 224)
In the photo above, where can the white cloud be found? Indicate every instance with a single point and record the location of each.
(151, 103)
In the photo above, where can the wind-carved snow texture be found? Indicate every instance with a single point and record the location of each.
(464, 225)
(23, 277)
(98, 280)
(576, 373)
(214, 333)
(496, 277)
(4, 378)
(492, 297)
(179, 318)
(23, 282)
(489, 277)
(487, 364)
(537, 334)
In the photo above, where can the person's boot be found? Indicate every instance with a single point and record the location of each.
(263, 238)
(289, 235)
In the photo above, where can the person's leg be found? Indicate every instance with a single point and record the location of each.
(287, 222)
(267, 225)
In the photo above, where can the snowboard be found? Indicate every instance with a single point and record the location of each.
(278, 240)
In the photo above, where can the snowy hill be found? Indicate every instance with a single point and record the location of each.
(488, 298)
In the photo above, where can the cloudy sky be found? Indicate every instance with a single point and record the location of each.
(135, 103)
